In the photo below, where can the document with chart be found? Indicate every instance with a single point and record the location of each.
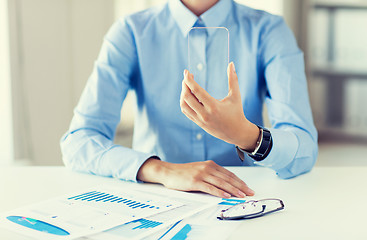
(86, 212)
(203, 225)
(143, 227)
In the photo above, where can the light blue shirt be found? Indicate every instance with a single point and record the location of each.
(147, 52)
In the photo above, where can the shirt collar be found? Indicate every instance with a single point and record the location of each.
(213, 17)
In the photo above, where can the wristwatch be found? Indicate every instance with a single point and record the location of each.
(263, 146)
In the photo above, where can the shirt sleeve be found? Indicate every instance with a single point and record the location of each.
(88, 145)
(294, 135)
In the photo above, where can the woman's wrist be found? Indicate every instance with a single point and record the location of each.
(153, 170)
(248, 136)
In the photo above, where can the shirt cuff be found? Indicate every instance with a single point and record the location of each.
(124, 170)
(285, 146)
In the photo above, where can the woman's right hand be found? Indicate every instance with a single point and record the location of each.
(206, 177)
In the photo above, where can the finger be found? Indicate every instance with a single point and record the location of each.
(198, 91)
(231, 178)
(212, 190)
(186, 109)
(240, 186)
(190, 99)
(233, 86)
(236, 181)
(224, 185)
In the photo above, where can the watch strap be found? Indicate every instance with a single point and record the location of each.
(264, 145)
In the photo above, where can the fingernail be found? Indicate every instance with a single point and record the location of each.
(185, 73)
(251, 191)
(233, 68)
(241, 194)
(226, 195)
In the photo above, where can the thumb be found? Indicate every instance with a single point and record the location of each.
(233, 87)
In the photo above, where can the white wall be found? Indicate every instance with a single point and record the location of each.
(54, 45)
(6, 126)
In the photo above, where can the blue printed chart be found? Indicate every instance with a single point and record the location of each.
(151, 227)
(195, 231)
(96, 196)
(134, 228)
(123, 202)
(185, 232)
(203, 225)
(88, 212)
(231, 202)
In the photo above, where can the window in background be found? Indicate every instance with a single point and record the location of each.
(6, 127)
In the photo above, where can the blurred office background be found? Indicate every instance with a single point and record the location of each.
(47, 50)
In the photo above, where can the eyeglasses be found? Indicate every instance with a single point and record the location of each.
(251, 209)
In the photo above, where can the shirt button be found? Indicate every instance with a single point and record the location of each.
(200, 66)
(199, 136)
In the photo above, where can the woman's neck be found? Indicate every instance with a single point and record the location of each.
(198, 7)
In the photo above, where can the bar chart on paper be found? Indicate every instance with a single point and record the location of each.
(193, 232)
(133, 229)
(231, 202)
(203, 225)
(123, 203)
(198, 230)
(184, 233)
(89, 212)
(149, 227)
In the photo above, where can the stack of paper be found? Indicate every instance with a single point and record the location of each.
(118, 213)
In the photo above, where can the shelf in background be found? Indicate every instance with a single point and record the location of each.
(330, 72)
(337, 127)
(342, 135)
(357, 5)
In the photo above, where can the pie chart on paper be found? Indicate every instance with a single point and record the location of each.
(38, 225)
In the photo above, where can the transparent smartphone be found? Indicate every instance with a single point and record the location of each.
(208, 58)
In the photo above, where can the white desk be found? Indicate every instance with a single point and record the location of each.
(328, 203)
